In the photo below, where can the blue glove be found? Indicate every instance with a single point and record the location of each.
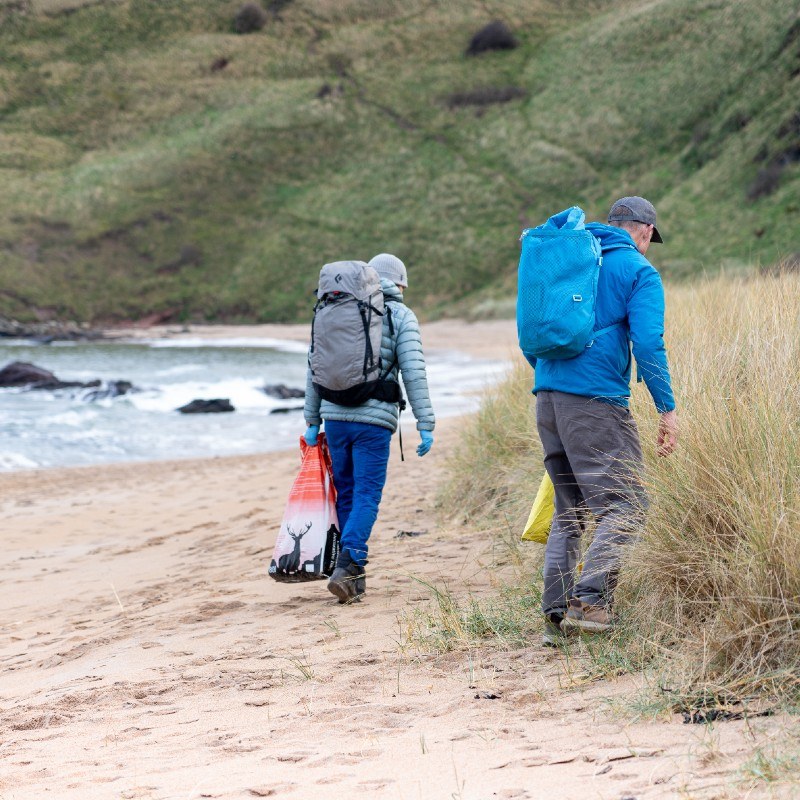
(425, 444)
(312, 431)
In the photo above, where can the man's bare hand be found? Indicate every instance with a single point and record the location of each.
(667, 433)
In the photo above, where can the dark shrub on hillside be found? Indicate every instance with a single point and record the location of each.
(790, 128)
(276, 6)
(249, 18)
(495, 36)
(766, 181)
(328, 90)
(485, 96)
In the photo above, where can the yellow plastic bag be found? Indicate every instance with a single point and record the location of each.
(538, 526)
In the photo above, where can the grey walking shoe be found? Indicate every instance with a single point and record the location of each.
(348, 583)
(587, 618)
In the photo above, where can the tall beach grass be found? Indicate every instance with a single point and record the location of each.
(710, 593)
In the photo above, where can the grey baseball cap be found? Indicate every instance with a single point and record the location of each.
(635, 209)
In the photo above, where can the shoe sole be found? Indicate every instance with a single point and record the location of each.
(340, 590)
(585, 625)
(343, 593)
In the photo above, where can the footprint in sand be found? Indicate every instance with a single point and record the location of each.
(375, 784)
(332, 779)
(208, 611)
(270, 791)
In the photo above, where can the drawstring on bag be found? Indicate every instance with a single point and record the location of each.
(402, 405)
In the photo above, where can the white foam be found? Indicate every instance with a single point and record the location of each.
(73, 419)
(285, 345)
(180, 369)
(13, 461)
(244, 394)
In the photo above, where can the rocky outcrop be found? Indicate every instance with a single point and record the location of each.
(216, 406)
(28, 376)
(282, 392)
(20, 373)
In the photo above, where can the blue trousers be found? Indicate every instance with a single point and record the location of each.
(360, 453)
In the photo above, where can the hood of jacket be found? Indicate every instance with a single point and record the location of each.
(611, 238)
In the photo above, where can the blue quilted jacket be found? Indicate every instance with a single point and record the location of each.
(404, 350)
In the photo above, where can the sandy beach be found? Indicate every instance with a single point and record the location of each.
(146, 653)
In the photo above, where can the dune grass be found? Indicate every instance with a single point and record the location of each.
(709, 596)
(716, 576)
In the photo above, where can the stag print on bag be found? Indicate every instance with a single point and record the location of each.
(308, 542)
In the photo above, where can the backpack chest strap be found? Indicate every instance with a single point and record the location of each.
(607, 329)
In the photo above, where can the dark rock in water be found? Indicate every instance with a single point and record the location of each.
(495, 36)
(29, 376)
(20, 373)
(282, 392)
(285, 410)
(217, 406)
(111, 389)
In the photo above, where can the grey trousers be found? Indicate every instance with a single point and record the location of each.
(593, 456)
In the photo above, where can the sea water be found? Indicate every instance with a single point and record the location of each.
(71, 427)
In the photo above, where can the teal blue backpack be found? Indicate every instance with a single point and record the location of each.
(557, 287)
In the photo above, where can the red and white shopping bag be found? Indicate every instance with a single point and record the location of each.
(308, 541)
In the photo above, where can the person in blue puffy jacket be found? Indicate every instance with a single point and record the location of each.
(590, 441)
(359, 437)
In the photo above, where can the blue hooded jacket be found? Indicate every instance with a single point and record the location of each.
(630, 292)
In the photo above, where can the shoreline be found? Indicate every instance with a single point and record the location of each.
(494, 339)
(461, 357)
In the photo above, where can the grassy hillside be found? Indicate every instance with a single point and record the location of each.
(155, 162)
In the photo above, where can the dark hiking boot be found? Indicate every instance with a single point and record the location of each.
(348, 583)
(587, 618)
(552, 636)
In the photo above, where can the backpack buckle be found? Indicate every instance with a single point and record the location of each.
(577, 298)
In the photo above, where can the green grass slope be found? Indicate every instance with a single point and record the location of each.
(142, 177)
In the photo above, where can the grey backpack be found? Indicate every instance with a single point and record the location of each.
(345, 353)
